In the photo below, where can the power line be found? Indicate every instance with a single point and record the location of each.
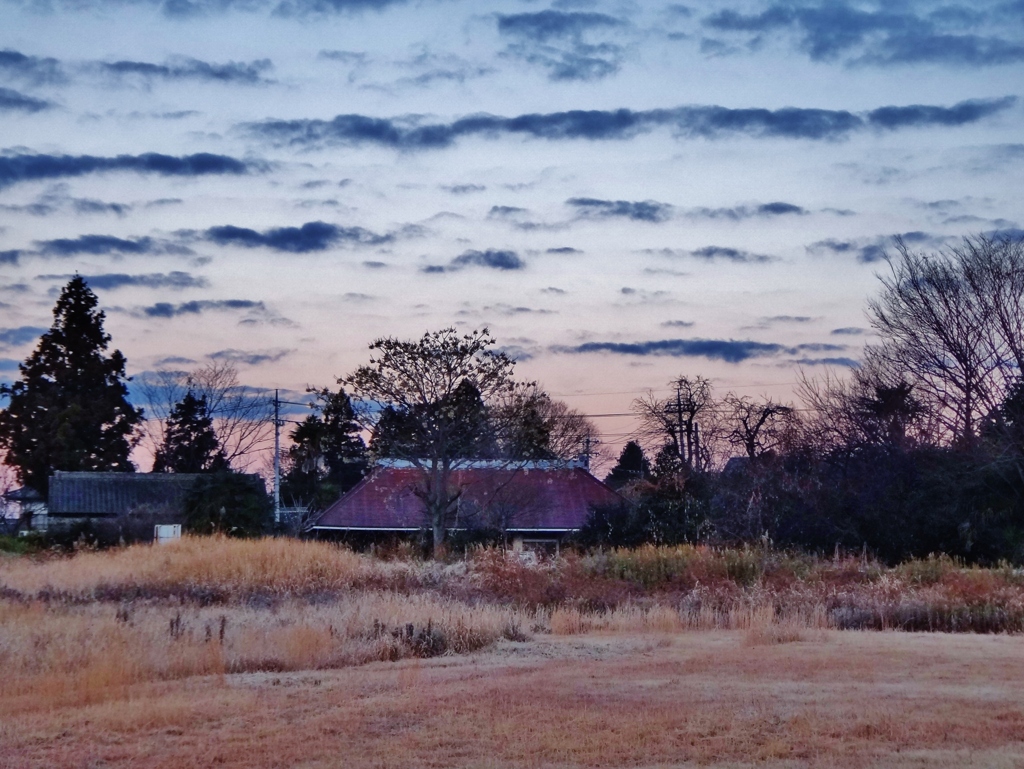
(588, 393)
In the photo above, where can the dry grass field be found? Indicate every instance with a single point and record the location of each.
(214, 652)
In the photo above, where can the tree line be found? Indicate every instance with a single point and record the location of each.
(920, 449)
(438, 402)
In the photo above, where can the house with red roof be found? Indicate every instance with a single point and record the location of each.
(529, 504)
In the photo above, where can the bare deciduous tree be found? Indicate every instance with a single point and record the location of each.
(572, 434)
(242, 416)
(428, 388)
(687, 420)
(952, 325)
(872, 407)
(758, 426)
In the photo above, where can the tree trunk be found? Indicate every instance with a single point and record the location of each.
(438, 506)
(439, 533)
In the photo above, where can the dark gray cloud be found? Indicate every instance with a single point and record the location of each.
(432, 67)
(643, 295)
(868, 250)
(324, 7)
(11, 101)
(1008, 233)
(893, 34)
(518, 218)
(494, 259)
(818, 347)
(15, 337)
(551, 25)
(183, 9)
(23, 168)
(787, 319)
(641, 211)
(778, 209)
(11, 256)
(9, 364)
(32, 69)
(564, 43)
(708, 122)
(373, 265)
(508, 309)
(57, 198)
(452, 75)
(506, 211)
(847, 362)
(963, 113)
(563, 250)
(174, 360)
(184, 68)
(519, 353)
(713, 253)
(464, 189)
(91, 206)
(728, 350)
(848, 331)
(250, 357)
(168, 310)
(312, 236)
(99, 245)
(678, 323)
(114, 280)
(978, 220)
(736, 213)
(345, 57)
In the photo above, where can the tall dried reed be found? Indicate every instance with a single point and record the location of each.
(95, 624)
(61, 654)
(215, 567)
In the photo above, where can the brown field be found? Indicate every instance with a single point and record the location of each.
(284, 654)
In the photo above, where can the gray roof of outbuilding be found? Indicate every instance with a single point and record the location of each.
(23, 494)
(115, 493)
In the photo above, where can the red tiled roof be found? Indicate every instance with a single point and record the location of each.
(549, 499)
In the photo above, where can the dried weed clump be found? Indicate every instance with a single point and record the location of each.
(713, 587)
(74, 654)
(207, 569)
(89, 627)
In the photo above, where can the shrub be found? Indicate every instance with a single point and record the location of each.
(228, 503)
(22, 545)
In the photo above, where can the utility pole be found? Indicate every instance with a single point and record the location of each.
(679, 425)
(588, 449)
(277, 458)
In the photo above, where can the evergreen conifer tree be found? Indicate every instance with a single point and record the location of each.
(327, 456)
(190, 443)
(632, 466)
(69, 410)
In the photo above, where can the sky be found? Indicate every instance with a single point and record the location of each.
(621, 192)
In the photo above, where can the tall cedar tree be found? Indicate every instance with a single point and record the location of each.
(327, 456)
(69, 410)
(190, 443)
